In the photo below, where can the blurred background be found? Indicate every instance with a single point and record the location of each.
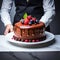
(54, 26)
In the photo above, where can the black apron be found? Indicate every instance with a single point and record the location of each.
(32, 7)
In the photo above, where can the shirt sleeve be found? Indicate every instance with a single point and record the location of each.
(5, 10)
(49, 11)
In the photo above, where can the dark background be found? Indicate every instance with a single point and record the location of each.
(54, 26)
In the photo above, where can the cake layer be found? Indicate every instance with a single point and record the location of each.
(34, 31)
(29, 40)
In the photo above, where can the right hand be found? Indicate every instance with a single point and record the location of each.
(9, 28)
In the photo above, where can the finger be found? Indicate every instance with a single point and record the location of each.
(11, 30)
(6, 31)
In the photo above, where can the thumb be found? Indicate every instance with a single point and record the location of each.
(6, 31)
(11, 28)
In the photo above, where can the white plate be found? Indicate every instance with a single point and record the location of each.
(49, 37)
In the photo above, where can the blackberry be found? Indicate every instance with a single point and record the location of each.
(37, 21)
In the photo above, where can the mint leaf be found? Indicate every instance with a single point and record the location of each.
(25, 15)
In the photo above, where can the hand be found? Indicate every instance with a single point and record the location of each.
(42, 24)
(9, 28)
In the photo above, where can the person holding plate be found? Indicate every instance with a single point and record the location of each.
(43, 10)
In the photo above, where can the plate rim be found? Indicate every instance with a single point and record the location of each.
(29, 43)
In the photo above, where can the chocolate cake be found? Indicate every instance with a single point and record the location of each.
(29, 30)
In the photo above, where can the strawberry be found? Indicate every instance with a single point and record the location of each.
(26, 21)
(29, 17)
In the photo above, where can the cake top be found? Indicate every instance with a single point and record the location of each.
(22, 26)
(29, 22)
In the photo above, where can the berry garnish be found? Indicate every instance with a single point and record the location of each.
(32, 22)
(15, 37)
(26, 21)
(33, 40)
(26, 41)
(29, 17)
(29, 20)
(37, 40)
(33, 18)
(37, 21)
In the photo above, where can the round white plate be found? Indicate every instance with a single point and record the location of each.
(49, 37)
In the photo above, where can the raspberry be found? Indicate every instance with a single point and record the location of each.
(29, 17)
(26, 41)
(37, 40)
(33, 40)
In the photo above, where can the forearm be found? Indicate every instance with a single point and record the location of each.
(5, 12)
(49, 11)
(47, 17)
(5, 17)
